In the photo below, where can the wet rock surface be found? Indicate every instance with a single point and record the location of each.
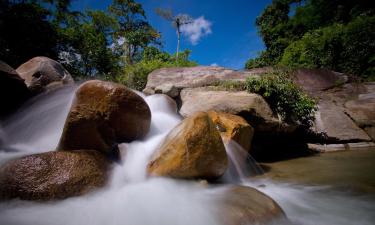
(193, 149)
(53, 175)
(104, 114)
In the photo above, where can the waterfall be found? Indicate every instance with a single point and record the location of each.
(131, 198)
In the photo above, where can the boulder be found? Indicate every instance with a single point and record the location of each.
(362, 111)
(171, 80)
(53, 175)
(315, 80)
(337, 126)
(104, 114)
(246, 205)
(252, 107)
(233, 128)
(193, 149)
(42, 73)
(13, 90)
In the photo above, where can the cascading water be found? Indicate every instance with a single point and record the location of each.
(241, 164)
(131, 198)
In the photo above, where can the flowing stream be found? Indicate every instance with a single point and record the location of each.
(133, 199)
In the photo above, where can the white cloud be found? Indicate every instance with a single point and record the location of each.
(199, 28)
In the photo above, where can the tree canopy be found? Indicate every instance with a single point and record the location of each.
(336, 34)
(89, 43)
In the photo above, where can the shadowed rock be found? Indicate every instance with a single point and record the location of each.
(42, 73)
(102, 115)
(246, 205)
(13, 90)
(53, 175)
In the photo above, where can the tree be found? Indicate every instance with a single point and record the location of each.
(134, 33)
(177, 21)
(87, 41)
(333, 34)
(25, 32)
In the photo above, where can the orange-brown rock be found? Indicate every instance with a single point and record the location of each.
(193, 149)
(233, 128)
(102, 115)
(53, 175)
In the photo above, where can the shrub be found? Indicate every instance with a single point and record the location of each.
(135, 75)
(345, 48)
(284, 97)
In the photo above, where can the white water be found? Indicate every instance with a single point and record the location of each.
(133, 199)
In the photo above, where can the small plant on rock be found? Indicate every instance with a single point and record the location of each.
(284, 96)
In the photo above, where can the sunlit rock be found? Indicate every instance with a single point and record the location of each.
(170, 81)
(233, 127)
(193, 149)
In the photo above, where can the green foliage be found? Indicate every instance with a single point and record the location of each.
(86, 39)
(134, 31)
(262, 60)
(135, 76)
(25, 32)
(283, 96)
(349, 48)
(334, 34)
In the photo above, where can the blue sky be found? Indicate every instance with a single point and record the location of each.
(224, 31)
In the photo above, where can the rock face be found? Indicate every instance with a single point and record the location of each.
(102, 115)
(193, 149)
(245, 205)
(42, 73)
(362, 110)
(252, 107)
(233, 128)
(171, 80)
(314, 80)
(331, 120)
(13, 90)
(346, 113)
(53, 175)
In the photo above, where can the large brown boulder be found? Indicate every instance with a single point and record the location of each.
(170, 81)
(193, 149)
(13, 90)
(252, 107)
(41, 73)
(104, 114)
(246, 205)
(233, 128)
(53, 175)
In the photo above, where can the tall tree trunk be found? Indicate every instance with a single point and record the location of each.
(178, 43)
